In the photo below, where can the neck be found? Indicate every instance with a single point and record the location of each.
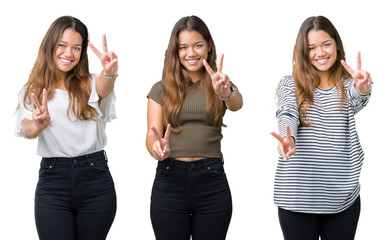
(60, 85)
(195, 76)
(325, 82)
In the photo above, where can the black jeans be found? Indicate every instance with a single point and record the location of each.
(304, 226)
(191, 198)
(75, 198)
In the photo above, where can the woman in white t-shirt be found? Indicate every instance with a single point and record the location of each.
(75, 196)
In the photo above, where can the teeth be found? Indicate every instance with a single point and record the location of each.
(65, 60)
(322, 60)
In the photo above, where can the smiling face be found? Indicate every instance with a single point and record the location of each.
(68, 51)
(322, 50)
(193, 49)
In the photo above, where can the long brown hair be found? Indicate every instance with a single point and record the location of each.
(45, 73)
(305, 75)
(176, 79)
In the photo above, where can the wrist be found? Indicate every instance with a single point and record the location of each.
(233, 91)
(115, 75)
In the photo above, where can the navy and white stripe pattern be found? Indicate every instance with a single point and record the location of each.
(323, 175)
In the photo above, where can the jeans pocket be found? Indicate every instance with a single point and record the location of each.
(46, 167)
(163, 169)
(216, 170)
(99, 167)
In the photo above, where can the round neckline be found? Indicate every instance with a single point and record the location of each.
(325, 91)
(60, 90)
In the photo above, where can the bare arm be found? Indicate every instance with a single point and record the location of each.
(157, 146)
(109, 61)
(236, 102)
(40, 118)
(221, 85)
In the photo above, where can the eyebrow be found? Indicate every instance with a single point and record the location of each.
(194, 43)
(322, 42)
(61, 41)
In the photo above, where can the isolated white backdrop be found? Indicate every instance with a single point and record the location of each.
(257, 38)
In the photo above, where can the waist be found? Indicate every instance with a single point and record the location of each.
(202, 162)
(78, 160)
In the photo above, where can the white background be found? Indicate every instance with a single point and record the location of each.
(257, 38)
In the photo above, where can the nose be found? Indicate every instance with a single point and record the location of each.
(320, 51)
(68, 52)
(192, 52)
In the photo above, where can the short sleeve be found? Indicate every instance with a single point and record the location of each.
(157, 92)
(22, 113)
(106, 108)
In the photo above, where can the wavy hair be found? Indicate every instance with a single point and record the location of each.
(305, 74)
(176, 78)
(45, 73)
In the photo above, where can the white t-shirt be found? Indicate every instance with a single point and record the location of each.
(69, 137)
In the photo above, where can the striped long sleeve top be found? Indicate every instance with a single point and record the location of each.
(322, 177)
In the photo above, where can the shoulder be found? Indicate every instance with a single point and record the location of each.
(157, 92)
(94, 78)
(288, 80)
(158, 87)
(286, 83)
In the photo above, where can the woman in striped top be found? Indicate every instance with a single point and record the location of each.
(317, 179)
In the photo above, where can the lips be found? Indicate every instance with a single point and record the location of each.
(65, 61)
(192, 61)
(322, 61)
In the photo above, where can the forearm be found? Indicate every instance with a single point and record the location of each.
(104, 85)
(30, 130)
(236, 102)
(150, 141)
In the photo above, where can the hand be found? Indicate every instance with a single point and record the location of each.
(220, 81)
(40, 115)
(161, 146)
(286, 147)
(362, 78)
(108, 60)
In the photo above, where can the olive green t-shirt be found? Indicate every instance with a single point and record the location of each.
(198, 137)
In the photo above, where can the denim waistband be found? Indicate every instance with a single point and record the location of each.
(204, 162)
(78, 160)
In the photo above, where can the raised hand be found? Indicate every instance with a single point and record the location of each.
(108, 59)
(161, 146)
(40, 115)
(286, 147)
(220, 81)
(362, 78)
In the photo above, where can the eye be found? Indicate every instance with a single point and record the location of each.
(311, 48)
(198, 45)
(61, 45)
(77, 48)
(183, 48)
(326, 45)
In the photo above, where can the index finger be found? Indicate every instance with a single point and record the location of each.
(104, 43)
(220, 66)
(36, 101)
(358, 61)
(156, 132)
(208, 68)
(347, 67)
(277, 136)
(95, 50)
